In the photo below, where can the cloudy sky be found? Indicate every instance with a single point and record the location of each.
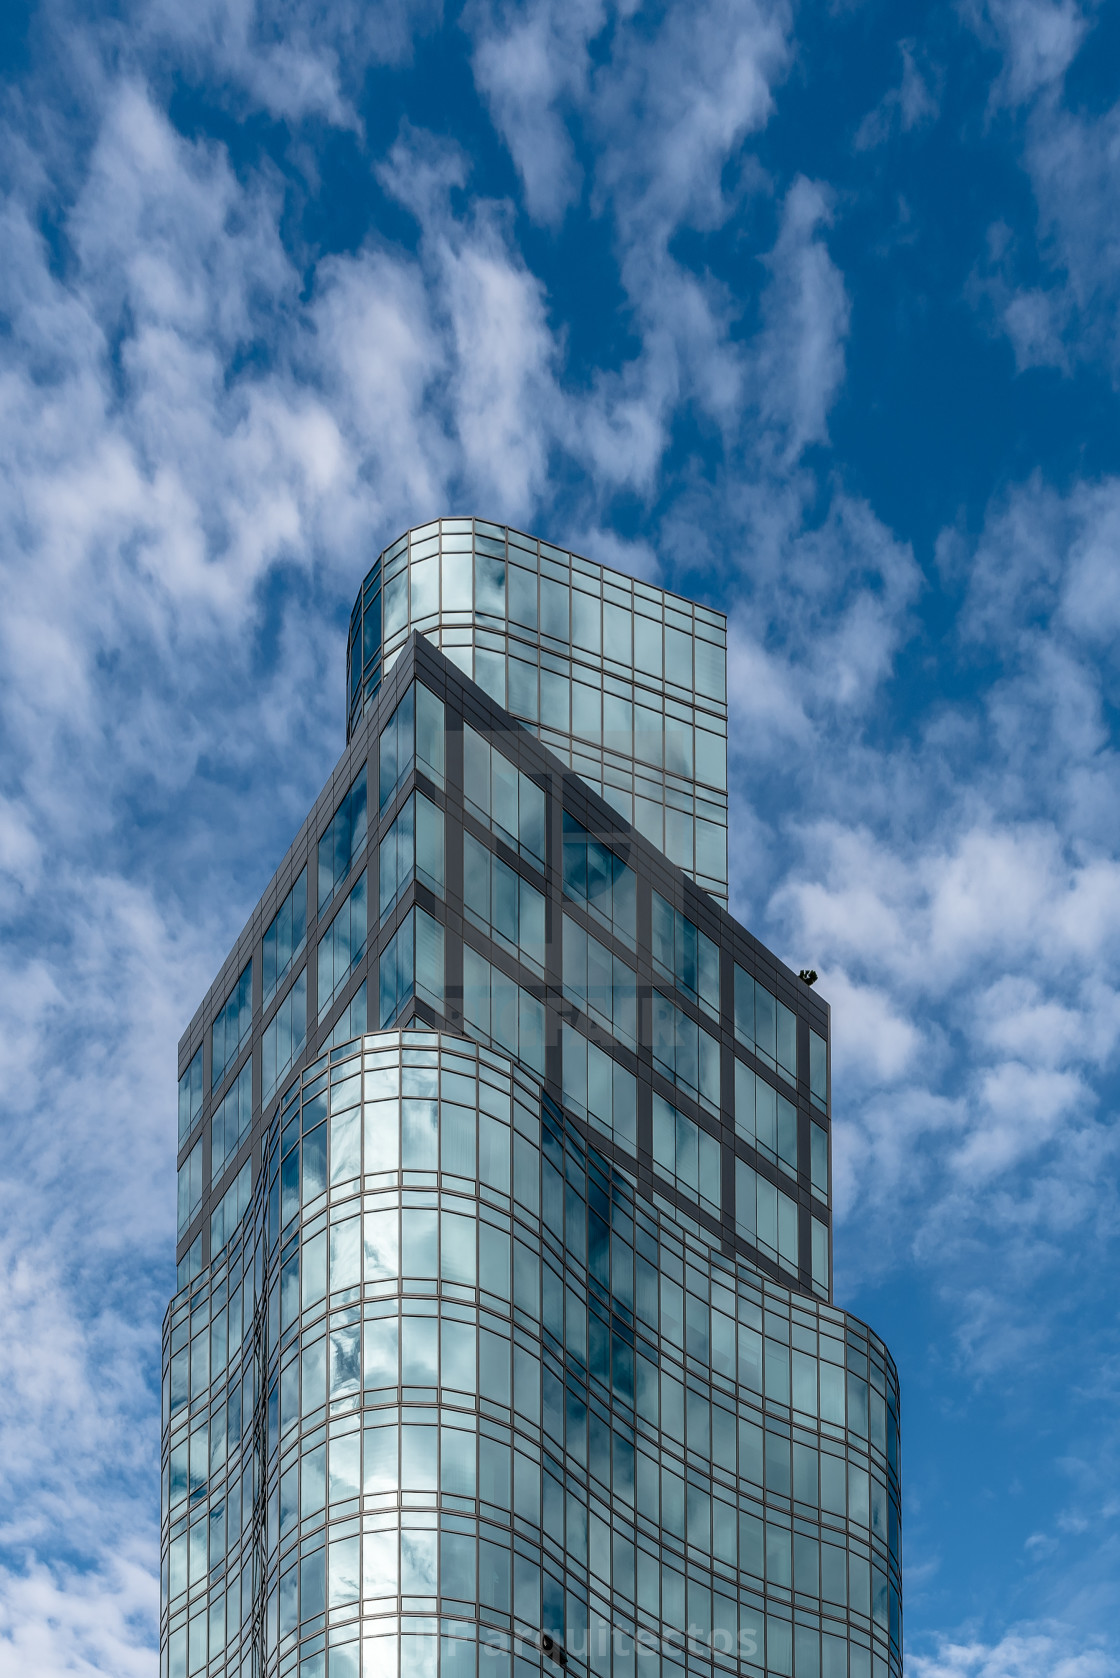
(814, 320)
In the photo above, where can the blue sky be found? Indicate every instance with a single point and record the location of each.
(811, 312)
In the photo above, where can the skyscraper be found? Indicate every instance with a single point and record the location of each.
(503, 1338)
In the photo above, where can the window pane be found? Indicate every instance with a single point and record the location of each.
(190, 1096)
(343, 842)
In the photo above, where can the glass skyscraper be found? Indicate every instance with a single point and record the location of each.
(503, 1339)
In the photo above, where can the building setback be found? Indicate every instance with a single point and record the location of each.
(503, 1339)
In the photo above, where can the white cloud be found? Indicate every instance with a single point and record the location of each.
(56, 1622)
(801, 350)
(667, 111)
(293, 58)
(912, 104)
(1067, 315)
(1047, 1650)
(1021, 1108)
(965, 921)
(1039, 40)
(533, 67)
(873, 1039)
(673, 106)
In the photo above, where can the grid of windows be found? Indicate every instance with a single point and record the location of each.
(413, 849)
(600, 983)
(480, 1384)
(478, 1388)
(684, 1052)
(767, 1119)
(502, 1012)
(411, 964)
(600, 881)
(353, 1020)
(284, 1037)
(231, 1122)
(687, 1155)
(765, 1216)
(625, 683)
(284, 940)
(509, 910)
(342, 946)
(190, 1097)
(190, 1187)
(503, 904)
(412, 739)
(497, 793)
(231, 1026)
(231, 1209)
(684, 954)
(343, 842)
(599, 1089)
(765, 1025)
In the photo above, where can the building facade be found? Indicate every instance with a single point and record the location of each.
(503, 1339)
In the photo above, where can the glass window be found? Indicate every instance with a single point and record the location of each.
(413, 738)
(765, 1025)
(411, 964)
(820, 1257)
(232, 1121)
(711, 855)
(231, 1027)
(678, 740)
(425, 587)
(344, 841)
(818, 1071)
(502, 903)
(190, 1265)
(765, 1216)
(285, 938)
(554, 610)
(682, 953)
(396, 603)
(618, 630)
(412, 849)
(711, 757)
(598, 1089)
(766, 1118)
(686, 1155)
(190, 1186)
(678, 657)
(342, 946)
(489, 582)
(711, 669)
(352, 1022)
(231, 1209)
(502, 1012)
(284, 1037)
(510, 804)
(684, 1052)
(647, 641)
(595, 877)
(190, 1096)
(523, 688)
(586, 619)
(599, 983)
(523, 596)
(818, 1153)
(456, 581)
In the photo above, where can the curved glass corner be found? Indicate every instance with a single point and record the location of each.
(626, 683)
(455, 1399)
